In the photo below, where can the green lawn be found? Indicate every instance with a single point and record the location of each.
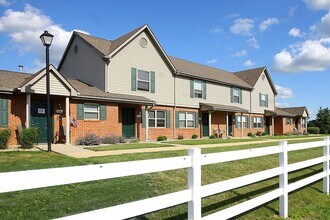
(308, 203)
(127, 146)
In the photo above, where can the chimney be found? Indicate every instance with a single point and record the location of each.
(20, 67)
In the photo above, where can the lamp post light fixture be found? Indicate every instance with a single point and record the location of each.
(47, 39)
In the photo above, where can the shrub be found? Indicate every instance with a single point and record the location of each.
(134, 140)
(88, 139)
(258, 133)
(180, 136)
(110, 139)
(296, 133)
(263, 133)
(305, 133)
(212, 136)
(28, 137)
(4, 137)
(162, 138)
(122, 139)
(249, 134)
(275, 134)
(313, 130)
(194, 136)
(253, 136)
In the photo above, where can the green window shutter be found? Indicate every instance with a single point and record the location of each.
(80, 111)
(143, 118)
(196, 120)
(231, 94)
(240, 96)
(3, 112)
(152, 81)
(267, 100)
(252, 121)
(191, 88)
(103, 112)
(236, 120)
(262, 122)
(259, 99)
(177, 119)
(168, 119)
(204, 90)
(248, 118)
(133, 79)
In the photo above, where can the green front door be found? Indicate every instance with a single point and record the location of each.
(230, 125)
(268, 125)
(128, 122)
(205, 122)
(39, 119)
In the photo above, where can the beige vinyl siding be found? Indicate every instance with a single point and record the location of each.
(56, 87)
(148, 59)
(305, 114)
(262, 86)
(87, 65)
(215, 94)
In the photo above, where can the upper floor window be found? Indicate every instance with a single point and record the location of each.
(157, 119)
(91, 111)
(198, 89)
(236, 96)
(186, 120)
(263, 100)
(257, 122)
(288, 121)
(241, 120)
(143, 80)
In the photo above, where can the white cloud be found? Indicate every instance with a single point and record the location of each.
(311, 55)
(240, 53)
(4, 3)
(212, 61)
(322, 28)
(282, 104)
(293, 10)
(318, 4)
(215, 30)
(283, 92)
(295, 32)
(25, 27)
(249, 63)
(267, 23)
(253, 43)
(243, 26)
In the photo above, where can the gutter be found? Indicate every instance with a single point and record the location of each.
(114, 100)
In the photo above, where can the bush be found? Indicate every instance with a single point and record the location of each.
(110, 139)
(162, 138)
(4, 137)
(212, 136)
(134, 140)
(263, 133)
(275, 134)
(180, 136)
(28, 137)
(305, 133)
(249, 134)
(88, 139)
(122, 139)
(313, 130)
(194, 136)
(253, 136)
(258, 133)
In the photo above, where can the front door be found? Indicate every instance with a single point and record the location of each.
(268, 125)
(128, 122)
(39, 119)
(230, 125)
(205, 122)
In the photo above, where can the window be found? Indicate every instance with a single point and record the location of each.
(198, 91)
(157, 119)
(263, 100)
(288, 121)
(91, 112)
(257, 122)
(240, 121)
(303, 122)
(143, 80)
(186, 120)
(236, 95)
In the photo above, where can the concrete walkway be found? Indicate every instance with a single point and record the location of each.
(80, 152)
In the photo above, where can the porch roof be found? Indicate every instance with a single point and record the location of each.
(223, 108)
(278, 112)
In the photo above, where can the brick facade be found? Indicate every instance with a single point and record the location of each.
(281, 127)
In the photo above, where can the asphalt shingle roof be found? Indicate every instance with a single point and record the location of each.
(297, 111)
(250, 76)
(12, 80)
(218, 107)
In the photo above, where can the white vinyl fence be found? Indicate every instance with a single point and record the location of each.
(23, 180)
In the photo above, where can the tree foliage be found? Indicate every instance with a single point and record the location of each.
(323, 120)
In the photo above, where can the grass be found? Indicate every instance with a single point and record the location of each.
(52, 202)
(127, 146)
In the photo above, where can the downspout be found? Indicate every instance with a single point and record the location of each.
(106, 60)
(250, 122)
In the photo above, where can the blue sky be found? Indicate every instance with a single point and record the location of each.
(291, 38)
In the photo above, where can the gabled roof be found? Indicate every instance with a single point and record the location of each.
(9, 80)
(278, 112)
(296, 111)
(251, 76)
(100, 44)
(188, 68)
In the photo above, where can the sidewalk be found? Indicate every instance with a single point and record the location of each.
(80, 152)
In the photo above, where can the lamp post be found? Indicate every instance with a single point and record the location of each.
(47, 39)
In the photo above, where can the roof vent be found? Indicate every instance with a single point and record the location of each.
(20, 68)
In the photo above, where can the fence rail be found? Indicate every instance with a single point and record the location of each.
(24, 180)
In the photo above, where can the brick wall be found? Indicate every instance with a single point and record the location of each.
(218, 121)
(281, 127)
(188, 132)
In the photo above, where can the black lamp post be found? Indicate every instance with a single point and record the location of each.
(47, 39)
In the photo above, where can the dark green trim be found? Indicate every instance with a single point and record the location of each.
(231, 94)
(133, 79)
(240, 96)
(177, 119)
(168, 119)
(152, 82)
(143, 118)
(204, 90)
(80, 111)
(3, 112)
(192, 95)
(196, 120)
(103, 112)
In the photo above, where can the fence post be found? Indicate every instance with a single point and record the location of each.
(283, 159)
(326, 166)
(195, 185)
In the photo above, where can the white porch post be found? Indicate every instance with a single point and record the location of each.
(273, 126)
(28, 110)
(67, 120)
(210, 123)
(306, 124)
(147, 124)
(227, 135)
(242, 127)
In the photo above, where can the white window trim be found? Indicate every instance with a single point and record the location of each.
(261, 101)
(286, 121)
(186, 120)
(261, 126)
(198, 89)
(241, 121)
(156, 118)
(239, 95)
(141, 80)
(98, 112)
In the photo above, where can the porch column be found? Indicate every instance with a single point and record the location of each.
(273, 126)
(227, 125)
(28, 110)
(67, 120)
(300, 126)
(242, 127)
(306, 124)
(147, 124)
(210, 123)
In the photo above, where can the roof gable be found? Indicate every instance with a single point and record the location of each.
(297, 111)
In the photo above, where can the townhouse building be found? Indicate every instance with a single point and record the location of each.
(130, 86)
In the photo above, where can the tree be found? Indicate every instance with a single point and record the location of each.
(312, 123)
(323, 120)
